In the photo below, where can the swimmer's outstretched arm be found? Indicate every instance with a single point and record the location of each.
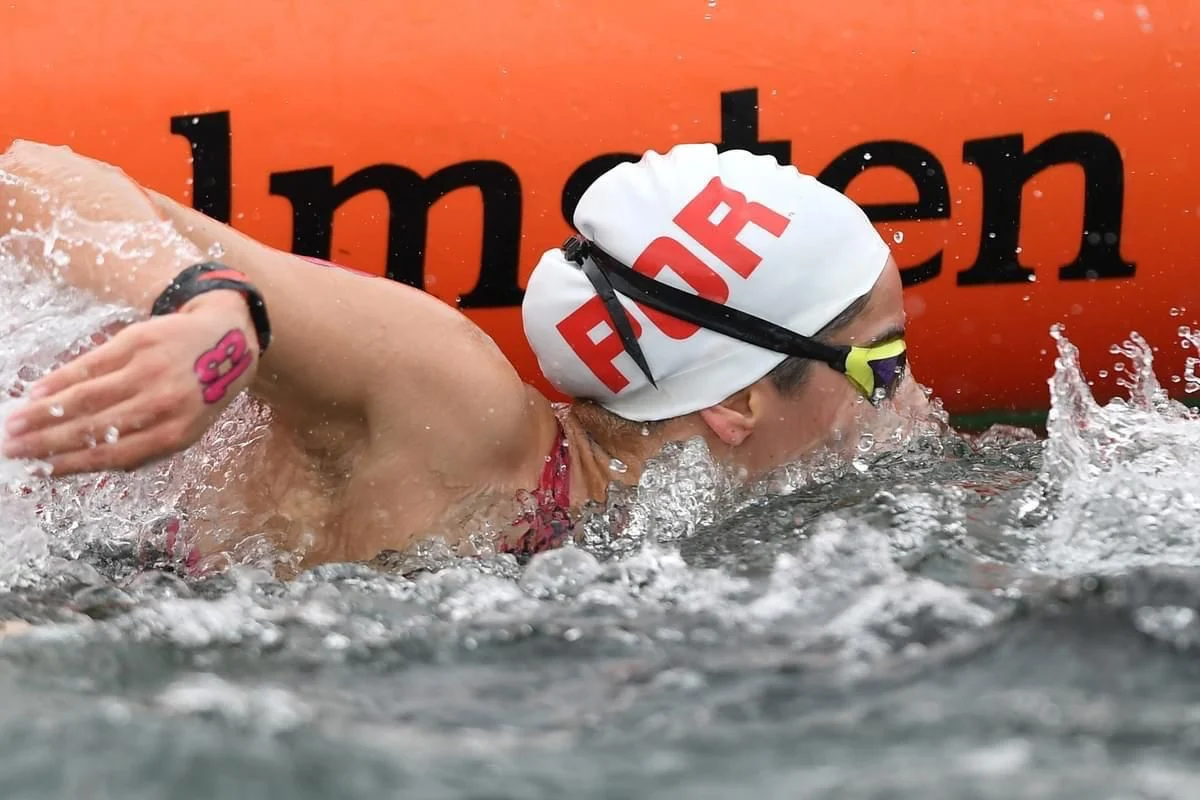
(352, 356)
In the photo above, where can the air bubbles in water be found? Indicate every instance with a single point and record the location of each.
(617, 465)
(111, 435)
(898, 237)
(57, 410)
(216, 251)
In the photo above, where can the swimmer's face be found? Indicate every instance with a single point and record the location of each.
(774, 428)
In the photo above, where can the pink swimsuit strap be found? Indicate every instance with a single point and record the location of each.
(550, 522)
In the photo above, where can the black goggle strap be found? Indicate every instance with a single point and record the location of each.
(620, 320)
(691, 308)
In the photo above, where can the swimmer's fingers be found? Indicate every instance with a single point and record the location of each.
(123, 437)
(130, 451)
(108, 357)
(73, 403)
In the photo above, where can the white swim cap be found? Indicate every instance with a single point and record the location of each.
(733, 227)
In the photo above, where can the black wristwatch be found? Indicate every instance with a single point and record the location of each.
(210, 276)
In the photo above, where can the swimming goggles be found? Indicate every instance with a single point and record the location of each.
(874, 371)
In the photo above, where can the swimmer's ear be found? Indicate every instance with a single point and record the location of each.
(732, 420)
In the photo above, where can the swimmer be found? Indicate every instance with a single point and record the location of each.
(706, 294)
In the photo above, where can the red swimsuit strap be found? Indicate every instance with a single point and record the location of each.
(549, 521)
(554, 489)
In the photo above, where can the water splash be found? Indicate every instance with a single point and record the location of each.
(44, 323)
(1119, 479)
(681, 490)
(1190, 339)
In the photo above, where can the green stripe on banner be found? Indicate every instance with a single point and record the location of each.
(1036, 419)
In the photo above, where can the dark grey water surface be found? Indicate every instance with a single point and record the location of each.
(872, 635)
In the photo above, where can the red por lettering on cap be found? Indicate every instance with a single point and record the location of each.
(666, 253)
(720, 238)
(576, 330)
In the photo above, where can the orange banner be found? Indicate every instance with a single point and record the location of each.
(1031, 164)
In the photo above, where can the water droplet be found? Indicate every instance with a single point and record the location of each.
(1119, 367)
(56, 410)
(216, 251)
(645, 430)
(111, 435)
(898, 237)
(1176, 312)
(617, 465)
(1033, 278)
(1103, 373)
(866, 156)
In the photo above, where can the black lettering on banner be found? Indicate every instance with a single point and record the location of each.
(584, 176)
(1004, 165)
(211, 139)
(1006, 168)
(315, 197)
(926, 173)
(739, 127)
(739, 131)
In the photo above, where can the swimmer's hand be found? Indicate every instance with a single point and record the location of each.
(150, 391)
